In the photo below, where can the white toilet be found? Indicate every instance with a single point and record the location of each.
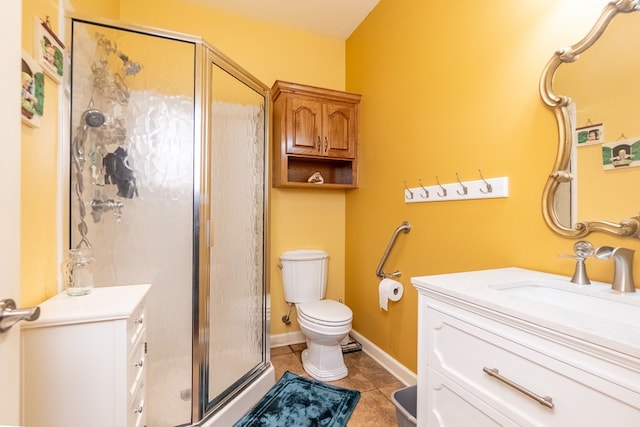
(324, 323)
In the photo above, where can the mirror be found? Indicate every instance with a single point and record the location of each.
(591, 87)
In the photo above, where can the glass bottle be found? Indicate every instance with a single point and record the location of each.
(78, 273)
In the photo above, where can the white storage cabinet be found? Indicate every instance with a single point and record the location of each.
(482, 367)
(83, 360)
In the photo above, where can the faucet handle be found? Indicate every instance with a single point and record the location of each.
(583, 250)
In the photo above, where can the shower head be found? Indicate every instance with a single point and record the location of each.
(130, 68)
(93, 118)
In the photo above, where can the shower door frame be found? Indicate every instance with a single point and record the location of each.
(205, 55)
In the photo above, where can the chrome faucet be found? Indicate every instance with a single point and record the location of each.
(622, 267)
(100, 206)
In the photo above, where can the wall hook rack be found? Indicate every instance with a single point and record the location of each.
(490, 188)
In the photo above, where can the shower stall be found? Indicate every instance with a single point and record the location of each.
(168, 186)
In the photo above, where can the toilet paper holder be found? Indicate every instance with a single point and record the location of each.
(405, 227)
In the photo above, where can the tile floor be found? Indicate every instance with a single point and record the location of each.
(375, 384)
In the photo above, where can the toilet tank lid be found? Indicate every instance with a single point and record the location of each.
(304, 255)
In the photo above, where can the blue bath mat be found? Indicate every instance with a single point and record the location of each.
(295, 401)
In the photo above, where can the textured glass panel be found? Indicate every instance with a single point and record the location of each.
(132, 189)
(237, 209)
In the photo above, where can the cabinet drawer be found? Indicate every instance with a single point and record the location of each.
(136, 416)
(454, 406)
(136, 369)
(135, 327)
(461, 344)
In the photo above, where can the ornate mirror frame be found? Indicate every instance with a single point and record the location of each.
(629, 227)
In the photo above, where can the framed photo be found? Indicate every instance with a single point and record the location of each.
(49, 50)
(32, 97)
(590, 135)
(621, 154)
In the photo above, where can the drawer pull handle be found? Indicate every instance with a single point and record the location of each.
(138, 411)
(544, 401)
(139, 320)
(139, 364)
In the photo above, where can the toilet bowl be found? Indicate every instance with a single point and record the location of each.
(324, 323)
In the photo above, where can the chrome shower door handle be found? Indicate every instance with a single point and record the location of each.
(10, 315)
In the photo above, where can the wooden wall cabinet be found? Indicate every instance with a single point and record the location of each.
(314, 130)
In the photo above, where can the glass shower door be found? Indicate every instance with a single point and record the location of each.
(168, 186)
(132, 188)
(238, 324)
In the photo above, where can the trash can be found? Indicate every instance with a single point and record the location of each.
(406, 400)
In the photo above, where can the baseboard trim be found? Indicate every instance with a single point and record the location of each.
(287, 338)
(398, 370)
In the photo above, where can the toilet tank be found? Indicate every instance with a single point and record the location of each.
(304, 275)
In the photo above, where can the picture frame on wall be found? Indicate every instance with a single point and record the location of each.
(32, 94)
(49, 50)
(621, 154)
(590, 135)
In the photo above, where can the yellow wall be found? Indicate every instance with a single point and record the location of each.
(450, 87)
(446, 88)
(39, 221)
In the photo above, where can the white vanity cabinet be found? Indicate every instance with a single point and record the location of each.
(83, 360)
(486, 359)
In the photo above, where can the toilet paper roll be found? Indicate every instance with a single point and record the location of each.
(389, 289)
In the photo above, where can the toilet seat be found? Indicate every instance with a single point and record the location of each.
(325, 312)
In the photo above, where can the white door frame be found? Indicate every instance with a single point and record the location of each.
(10, 123)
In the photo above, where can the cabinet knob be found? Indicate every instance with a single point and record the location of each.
(139, 364)
(139, 320)
(138, 411)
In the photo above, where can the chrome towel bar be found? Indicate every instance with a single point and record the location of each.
(405, 228)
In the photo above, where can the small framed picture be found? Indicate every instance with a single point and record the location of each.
(49, 50)
(589, 135)
(621, 154)
(32, 98)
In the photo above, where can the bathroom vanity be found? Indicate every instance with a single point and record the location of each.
(83, 360)
(514, 347)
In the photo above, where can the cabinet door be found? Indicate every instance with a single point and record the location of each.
(304, 124)
(339, 130)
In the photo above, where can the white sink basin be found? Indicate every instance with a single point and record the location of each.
(594, 300)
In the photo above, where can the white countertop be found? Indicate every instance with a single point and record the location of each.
(102, 303)
(480, 288)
